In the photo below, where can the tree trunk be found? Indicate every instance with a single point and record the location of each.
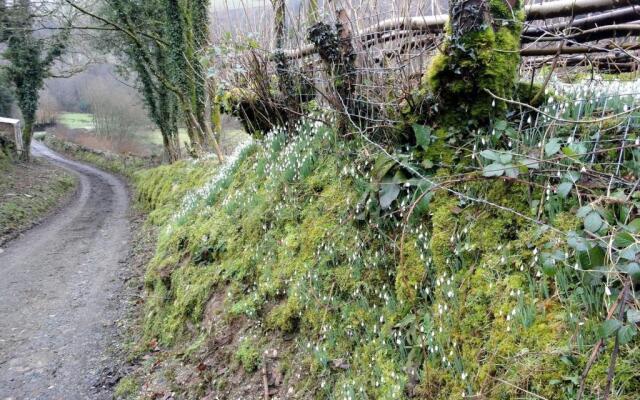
(27, 134)
(208, 120)
(171, 143)
(481, 52)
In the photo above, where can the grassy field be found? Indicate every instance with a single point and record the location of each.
(154, 136)
(149, 139)
(76, 120)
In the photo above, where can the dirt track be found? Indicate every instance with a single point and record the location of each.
(60, 292)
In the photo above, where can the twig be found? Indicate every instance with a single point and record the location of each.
(537, 396)
(614, 354)
(265, 380)
(596, 349)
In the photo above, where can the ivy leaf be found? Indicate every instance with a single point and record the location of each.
(593, 222)
(423, 135)
(623, 239)
(633, 269)
(583, 211)
(578, 148)
(564, 189)
(388, 193)
(495, 169)
(629, 253)
(511, 171)
(626, 334)
(490, 155)
(577, 242)
(506, 158)
(634, 226)
(552, 147)
(609, 327)
(530, 163)
(633, 316)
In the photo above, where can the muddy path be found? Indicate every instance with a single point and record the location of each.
(61, 292)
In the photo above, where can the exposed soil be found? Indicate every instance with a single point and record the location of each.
(62, 292)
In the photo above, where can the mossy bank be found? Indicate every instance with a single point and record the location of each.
(29, 192)
(283, 266)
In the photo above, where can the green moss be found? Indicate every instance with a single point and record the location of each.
(474, 62)
(460, 306)
(410, 273)
(127, 388)
(285, 317)
(248, 355)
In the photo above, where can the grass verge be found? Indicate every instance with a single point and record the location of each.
(29, 192)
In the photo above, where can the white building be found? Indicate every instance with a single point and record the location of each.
(11, 131)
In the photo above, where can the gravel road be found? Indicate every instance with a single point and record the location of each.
(60, 292)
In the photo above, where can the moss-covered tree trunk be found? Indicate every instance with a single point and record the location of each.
(28, 58)
(480, 54)
(335, 48)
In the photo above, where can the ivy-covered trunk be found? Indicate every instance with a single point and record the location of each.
(480, 57)
(28, 58)
(335, 48)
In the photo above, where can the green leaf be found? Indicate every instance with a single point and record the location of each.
(564, 189)
(552, 147)
(592, 258)
(593, 222)
(634, 226)
(626, 334)
(573, 176)
(549, 267)
(399, 177)
(423, 135)
(577, 242)
(633, 269)
(388, 193)
(583, 211)
(629, 253)
(511, 170)
(506, 158)
(623, 239)
(578, 148)
(382, 165)
(495, 169)
(490, 155)
(568, 151)
(633, 316)
(512, 133)
(530, 163)
(609, 327)
(500, 125)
